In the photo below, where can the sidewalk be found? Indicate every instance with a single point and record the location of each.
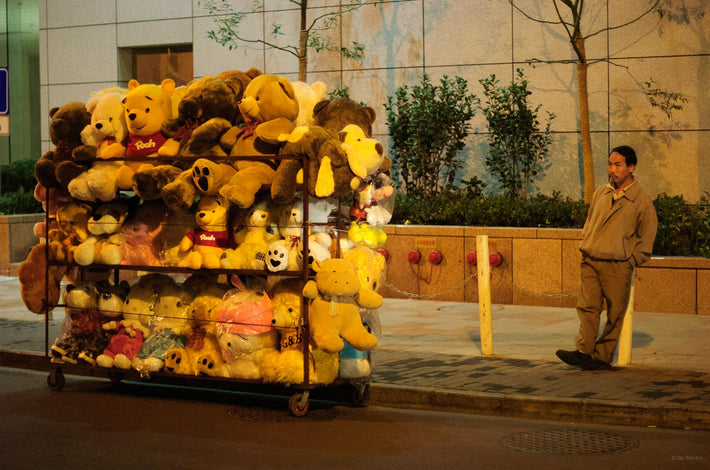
(429, 356)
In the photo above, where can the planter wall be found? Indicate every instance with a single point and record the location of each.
(540, 267)
(16, 240)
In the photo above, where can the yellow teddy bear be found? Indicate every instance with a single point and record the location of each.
(334, 313)
(205, 245)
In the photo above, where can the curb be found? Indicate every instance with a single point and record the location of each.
(555, 409)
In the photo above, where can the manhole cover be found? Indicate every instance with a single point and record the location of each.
(281, 415)
(568, 442)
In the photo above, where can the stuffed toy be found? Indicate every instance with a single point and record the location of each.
(287, 254)
(204, 246)
(169, 329)
(308, 96)
(82, 337)
(375, 202)
(128, 334)
(362, 233)
(110, 307)
(337, 113)
(73, 221)
(105, 226)
(245, 334)
(252, 237)
(146, 108)
(337, 296)
(178, 224)
(329, 172)
(285, 366)
(354, 364)
(204, 178)
(370, 266)
(201, 354)
(209, 108)
(40, 286)
(269, 108)
(141, 241)
(365, 155)
(57, 167)
(103, 136)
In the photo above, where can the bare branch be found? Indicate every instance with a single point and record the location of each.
(611, 28)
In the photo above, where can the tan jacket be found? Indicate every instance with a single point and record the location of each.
(623, 231)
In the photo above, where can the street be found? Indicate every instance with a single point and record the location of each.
(93, 423)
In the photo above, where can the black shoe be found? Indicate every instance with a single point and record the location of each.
(598, 364)
(576, 358)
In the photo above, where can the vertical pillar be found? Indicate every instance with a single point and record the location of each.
(624, 358)
(484, 295)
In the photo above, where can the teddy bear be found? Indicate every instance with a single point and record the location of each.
(105, 226)
(56, 168)
(103, 136)
(337, 113)
(287, 254)
(252, 236)
(205, 245)
(82, 337)
(336, 297)
(169, 328)
(208, 109)
(39, 284)
(128, 334)
(269, 108)
(142, 233)
(308, 95)
(329, 172)
(178, 224)
(285, 366)
(204, 178)
(73, 221)
(146, 107)
(245, 334)
(201, 354)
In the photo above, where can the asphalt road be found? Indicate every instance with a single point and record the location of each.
(93, 423)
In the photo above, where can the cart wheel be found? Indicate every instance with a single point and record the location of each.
(297, 406)
(115, 377)
(361, 394)
(56, 380)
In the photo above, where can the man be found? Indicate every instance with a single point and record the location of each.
(617, 236)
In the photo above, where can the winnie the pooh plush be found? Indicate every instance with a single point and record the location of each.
(204, 246)
(103, 136)
(147, 107)
(269, 108)
(285, 366)
(105, 225)
(57, 166)
(337, 296)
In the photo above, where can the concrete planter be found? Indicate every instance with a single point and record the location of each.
(16, 240)
(540, 267)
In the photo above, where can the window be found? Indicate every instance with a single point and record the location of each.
(153, 64)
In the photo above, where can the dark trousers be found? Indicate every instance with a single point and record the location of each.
(602, 281)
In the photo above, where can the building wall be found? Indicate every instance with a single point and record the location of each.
(80, 39)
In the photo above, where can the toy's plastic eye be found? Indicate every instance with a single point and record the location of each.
(147, 110)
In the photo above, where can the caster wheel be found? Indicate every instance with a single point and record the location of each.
(361, 394)
(115, 377)
(55, 380)
(295, 406)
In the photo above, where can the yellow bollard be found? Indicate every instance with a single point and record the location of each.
(484, 295)
(627, 331)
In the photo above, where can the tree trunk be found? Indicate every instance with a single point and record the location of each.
(303, 44)
(586, 136)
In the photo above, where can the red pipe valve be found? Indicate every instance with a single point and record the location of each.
(435, 257)
(414, 256)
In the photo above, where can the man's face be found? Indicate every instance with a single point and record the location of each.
(620, 174)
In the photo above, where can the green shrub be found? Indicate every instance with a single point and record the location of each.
(17, 175)
(20, 202)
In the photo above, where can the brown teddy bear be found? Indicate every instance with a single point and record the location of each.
(339, 112)
(57, 167)
(32, 275)
(269, 108)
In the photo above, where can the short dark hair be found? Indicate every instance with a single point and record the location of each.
(627, 152)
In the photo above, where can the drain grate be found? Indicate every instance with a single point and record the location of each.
(568, 442)
(281, 415)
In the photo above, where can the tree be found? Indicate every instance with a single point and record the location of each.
(569, 16)
(229, 32)
(518, 147)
